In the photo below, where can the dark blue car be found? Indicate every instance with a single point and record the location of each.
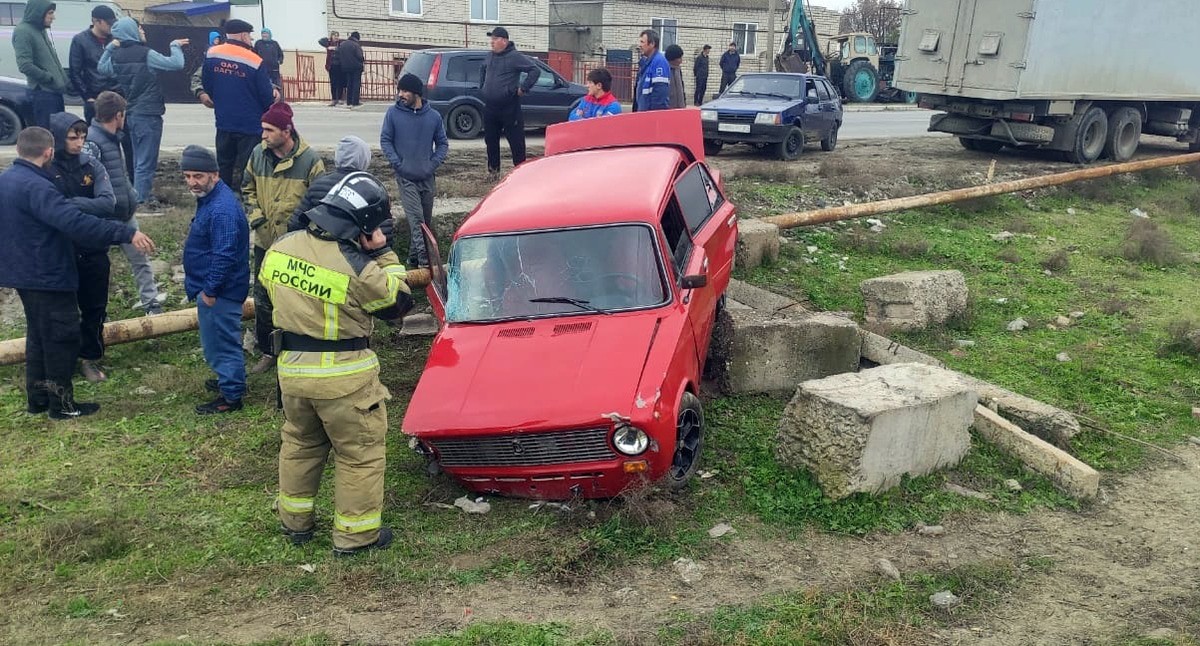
(779, 110)
(16, 109)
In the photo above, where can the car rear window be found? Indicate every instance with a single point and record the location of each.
(609, 268)
(419, 64)
(464, 69)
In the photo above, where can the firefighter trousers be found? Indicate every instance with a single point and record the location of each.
(354, 427)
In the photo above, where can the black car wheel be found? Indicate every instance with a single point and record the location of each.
(689, 440)
(713, 147)
(829, 141)
(464, 122)
(10, 125)
(792, 145)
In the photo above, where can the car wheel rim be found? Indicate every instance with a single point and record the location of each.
(910, 97)
(863, 85)
(687, 443)
(793, 143)
(464, 122)
(7, 128)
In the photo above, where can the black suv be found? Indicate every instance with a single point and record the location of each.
(451, 79)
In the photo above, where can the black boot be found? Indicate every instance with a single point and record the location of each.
(219, 405)
(381, 543)
(62, 404)
(212, 386)
(297, 537)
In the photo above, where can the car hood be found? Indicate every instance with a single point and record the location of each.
(563, 372)
(744, 104)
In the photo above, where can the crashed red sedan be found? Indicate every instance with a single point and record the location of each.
(576, 310)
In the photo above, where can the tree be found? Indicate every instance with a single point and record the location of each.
(880, 18)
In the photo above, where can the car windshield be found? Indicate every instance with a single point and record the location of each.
(778, 85)
(553, 273)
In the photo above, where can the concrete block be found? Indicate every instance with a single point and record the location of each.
(1043, 420)
(764, 352)
(419, 325)
(866, 431)
(758, 243)
(914, 300)
(759, 298)
(1070, 475)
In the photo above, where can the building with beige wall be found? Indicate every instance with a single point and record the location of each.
(415, 24)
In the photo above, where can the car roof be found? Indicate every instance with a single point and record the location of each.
(582, 188)
(448, 50)
(796, 74)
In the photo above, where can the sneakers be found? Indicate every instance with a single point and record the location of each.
(219, 405)
(264, 364)
(91, 371)
(297, 538)
(381, 543)
(212, 385)
(71, 409)
(154, 310)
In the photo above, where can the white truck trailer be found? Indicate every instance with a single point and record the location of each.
(1084, 77)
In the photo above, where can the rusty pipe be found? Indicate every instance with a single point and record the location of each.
(150, 327)
(821, 216)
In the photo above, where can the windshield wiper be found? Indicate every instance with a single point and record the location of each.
(776, 95)
(582, 304)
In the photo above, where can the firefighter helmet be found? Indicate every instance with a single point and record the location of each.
(361, 198)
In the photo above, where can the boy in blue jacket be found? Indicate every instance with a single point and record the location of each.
(599, 101)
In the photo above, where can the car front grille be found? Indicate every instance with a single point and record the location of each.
(526, 449)
(725, 117)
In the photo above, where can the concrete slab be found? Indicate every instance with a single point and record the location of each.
(419, 325)
(1070, 475)
(759, 298)
(914, 300)
(758, 243)
(866, 431)
(765, 352)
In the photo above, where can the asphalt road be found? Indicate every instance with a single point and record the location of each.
(323, 126)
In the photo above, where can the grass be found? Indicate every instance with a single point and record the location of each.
(148, 510)
(1133, 306)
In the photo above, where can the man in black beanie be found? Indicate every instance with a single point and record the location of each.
(217, 276)
(414, 141)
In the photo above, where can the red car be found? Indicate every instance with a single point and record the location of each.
(576, 311)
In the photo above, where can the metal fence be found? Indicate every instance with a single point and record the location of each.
(622, 75)
(311, 81)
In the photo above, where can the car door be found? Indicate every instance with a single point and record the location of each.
(712, 224)
(828, 108)
(549, 101)
(437, 288)
(834, 104)
(815, 120)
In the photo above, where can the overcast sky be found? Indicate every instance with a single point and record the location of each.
(837, 5)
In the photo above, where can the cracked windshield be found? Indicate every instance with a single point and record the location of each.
(552, 273)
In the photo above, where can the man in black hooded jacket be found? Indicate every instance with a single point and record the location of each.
(501, 87)
(84, 181)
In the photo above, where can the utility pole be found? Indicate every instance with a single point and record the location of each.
(771, 34)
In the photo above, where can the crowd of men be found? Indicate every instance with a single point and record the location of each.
(319, 242)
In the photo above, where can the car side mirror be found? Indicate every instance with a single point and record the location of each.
(694, 281)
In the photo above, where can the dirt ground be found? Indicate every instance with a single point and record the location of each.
(1123, 568)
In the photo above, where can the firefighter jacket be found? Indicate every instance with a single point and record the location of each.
(272, 188)
(327, 289)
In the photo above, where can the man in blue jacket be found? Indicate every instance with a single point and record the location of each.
(37, 228)
(136, 68)
(599, 101)
(235, 81)
(216, 273)
(654, 75)
(414, 141)
(731, 60)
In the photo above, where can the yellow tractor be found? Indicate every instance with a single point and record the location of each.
(863, 70)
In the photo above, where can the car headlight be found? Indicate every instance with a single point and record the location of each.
(630, 440)
(767, 118)
(708, 115)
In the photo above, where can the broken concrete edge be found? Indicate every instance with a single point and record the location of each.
(757, 243)
(1048, 422)
(761, 299)
(1069, 474)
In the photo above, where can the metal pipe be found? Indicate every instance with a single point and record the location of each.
(150, 327)
(821, 216)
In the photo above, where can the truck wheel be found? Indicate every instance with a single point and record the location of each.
(861, 82)
(1090, 137)
(712, 147)
(10, 125)
(1124, 134)
(829, 141)
(464, 122)
(792, 144)
(689, 440)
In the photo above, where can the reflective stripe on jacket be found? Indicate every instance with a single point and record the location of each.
(271, 191)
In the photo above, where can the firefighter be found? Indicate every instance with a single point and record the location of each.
(326, 283)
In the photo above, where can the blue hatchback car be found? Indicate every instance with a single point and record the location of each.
(779, 110)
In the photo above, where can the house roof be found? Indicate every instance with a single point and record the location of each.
(603, 187)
